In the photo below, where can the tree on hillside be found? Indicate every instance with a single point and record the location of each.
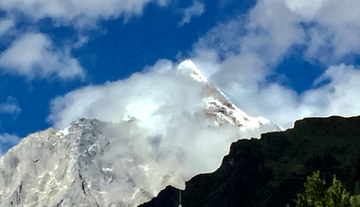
(316, 194)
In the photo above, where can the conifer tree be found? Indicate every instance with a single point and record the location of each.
(316, 194)
(336, 195)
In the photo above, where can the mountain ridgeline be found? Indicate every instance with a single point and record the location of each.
(270, 171)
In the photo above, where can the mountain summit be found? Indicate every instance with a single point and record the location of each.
(218, 106)
(215, 104)
(96, 163)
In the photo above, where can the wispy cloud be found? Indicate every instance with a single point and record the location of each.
(78, 13)
(6, 25)
(33, 55)
(196, 10)
(10, 106)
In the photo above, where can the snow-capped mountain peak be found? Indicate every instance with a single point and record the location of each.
(189, 68)
(162, 140)
(218, 106)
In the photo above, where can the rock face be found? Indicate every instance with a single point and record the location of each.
(50, 168)
(70, 168)
(93, 163)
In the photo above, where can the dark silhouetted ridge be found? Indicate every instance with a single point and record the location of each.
(271, 171)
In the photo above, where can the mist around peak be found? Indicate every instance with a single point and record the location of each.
(160, 116)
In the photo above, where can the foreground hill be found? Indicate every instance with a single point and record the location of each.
(270, 171)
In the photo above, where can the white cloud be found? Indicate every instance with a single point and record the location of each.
(196, 10)
(223, 38)
(272, 27)
(272, 31)
(249, 48)
(269, 30)
(307, 9)
(6, 25)
(78, 12)
(238, 56)
(337, 95)
(33, 55)
(7, 141)
(11, 106)
(206, 61)
(140, 91)
(335, 26)
(170, 132)
(166, 105)
(340, 95)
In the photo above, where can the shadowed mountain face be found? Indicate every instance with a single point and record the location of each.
(272, 170)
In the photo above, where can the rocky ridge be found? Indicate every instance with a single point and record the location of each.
(219, 107)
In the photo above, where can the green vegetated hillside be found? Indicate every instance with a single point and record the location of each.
(270, 171)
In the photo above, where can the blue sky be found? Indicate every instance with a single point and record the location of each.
(280, 59)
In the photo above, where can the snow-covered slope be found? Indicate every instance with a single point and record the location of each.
(219, 107)
(95, 163)
(216, 106)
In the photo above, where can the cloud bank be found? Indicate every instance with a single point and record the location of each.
(160, 112)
